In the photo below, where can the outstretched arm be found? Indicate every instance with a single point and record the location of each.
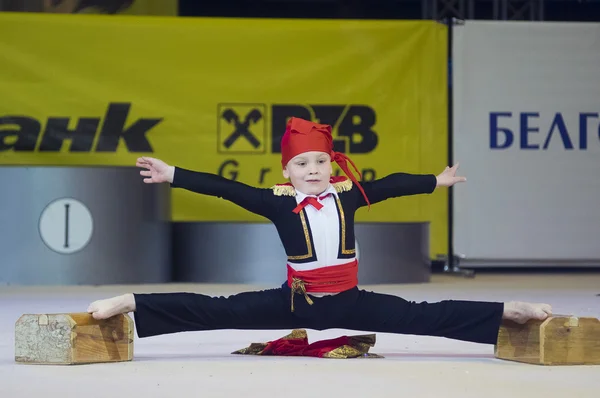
(257, 200)
(404, 184)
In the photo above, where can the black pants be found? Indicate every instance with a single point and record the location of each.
(354, 309)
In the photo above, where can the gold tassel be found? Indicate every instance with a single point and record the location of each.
(299, 287)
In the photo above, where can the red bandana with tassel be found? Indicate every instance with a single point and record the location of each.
(303, 136)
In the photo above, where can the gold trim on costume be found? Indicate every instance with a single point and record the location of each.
(343, 186)
(307, 237)
(358, 348)
(289, 190)
(283, 190)
(343, 226)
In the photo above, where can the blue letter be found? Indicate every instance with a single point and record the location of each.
(494, 130)
(562, 129)
(583, 129)
(525, 130)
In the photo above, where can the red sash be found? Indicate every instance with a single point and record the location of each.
(332, 279)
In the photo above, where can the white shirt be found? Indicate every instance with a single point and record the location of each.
(325, 228)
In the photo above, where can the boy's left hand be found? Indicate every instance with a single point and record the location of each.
(448, 177)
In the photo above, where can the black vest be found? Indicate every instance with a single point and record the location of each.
(278, 202)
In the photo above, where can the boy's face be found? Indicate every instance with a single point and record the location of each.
(309, 172)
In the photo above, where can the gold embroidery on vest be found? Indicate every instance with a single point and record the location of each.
(306, 237)
(343, 226)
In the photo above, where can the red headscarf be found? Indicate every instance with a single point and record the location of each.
(303, 136)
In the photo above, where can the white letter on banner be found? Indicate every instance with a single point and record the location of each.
(494, 130)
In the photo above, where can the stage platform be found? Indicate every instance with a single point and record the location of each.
(199, 364)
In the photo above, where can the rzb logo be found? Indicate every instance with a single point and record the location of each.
(242, 127)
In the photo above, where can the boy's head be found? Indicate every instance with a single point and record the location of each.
(306, 156)
(309, 172)
(306, 151)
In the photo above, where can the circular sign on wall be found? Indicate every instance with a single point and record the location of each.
(66, 225)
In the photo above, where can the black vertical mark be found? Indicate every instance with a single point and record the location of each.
(66, 225)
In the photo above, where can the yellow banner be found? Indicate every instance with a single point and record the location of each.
(214, 95)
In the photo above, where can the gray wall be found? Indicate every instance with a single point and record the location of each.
(252, 253)
(103, 225)
(117, 230)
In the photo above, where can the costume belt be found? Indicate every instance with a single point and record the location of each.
(334, 279)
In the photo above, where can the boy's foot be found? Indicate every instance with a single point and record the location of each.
(102, 309)
(521, 312)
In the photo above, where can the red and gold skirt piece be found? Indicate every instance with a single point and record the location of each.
(296, 344)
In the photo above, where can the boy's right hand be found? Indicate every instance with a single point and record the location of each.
(156, 171)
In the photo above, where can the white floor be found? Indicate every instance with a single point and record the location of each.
(199, 364)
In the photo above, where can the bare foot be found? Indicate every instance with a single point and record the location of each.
(102, 309)
(521, 312)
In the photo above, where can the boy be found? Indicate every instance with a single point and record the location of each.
(314, 217)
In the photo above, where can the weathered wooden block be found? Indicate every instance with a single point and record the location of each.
(75, 338)
(558, 340)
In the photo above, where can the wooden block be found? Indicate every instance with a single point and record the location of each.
(558, 340)
(75, 338)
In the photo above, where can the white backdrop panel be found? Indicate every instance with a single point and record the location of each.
(526, 99)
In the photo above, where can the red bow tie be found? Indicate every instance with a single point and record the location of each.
(310, 200)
